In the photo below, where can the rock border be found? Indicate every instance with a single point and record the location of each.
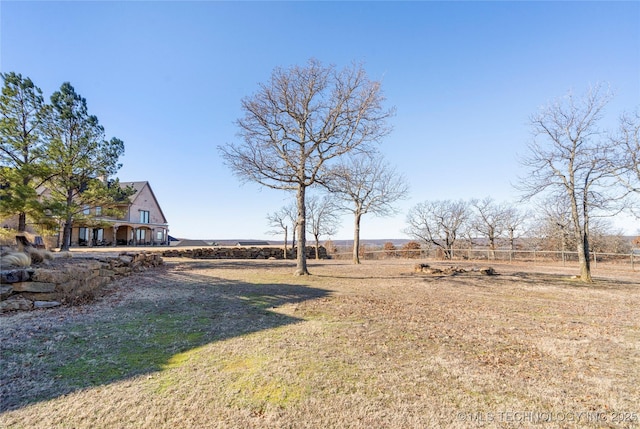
(50, 286)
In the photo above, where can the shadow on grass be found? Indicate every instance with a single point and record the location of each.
(569, 280)
(166, 314)
(230, 263)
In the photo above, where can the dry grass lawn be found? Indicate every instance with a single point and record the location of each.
(244, 344)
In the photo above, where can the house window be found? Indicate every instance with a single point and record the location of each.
(98, 211)
(144, 216)
(99, 234)
(83, 234)
(140, 235)
(159, 235)
(86, 210)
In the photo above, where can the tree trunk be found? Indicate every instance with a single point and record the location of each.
(301, 257)
(68, 223)
(22, 222)
(317, 247)
(356, 238)
(285, 242)
(511, 242)
(448, 246)
(293, 238)
(22, 216)
(66, 234)
(584, 258)
(447, 253)
(492, 246)
(582, 238)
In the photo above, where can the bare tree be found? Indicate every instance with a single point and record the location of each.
(489, 220)
(607, 239)
(555, 231)
(366, 184)
(438, 223)
(291, 212)
(553, 227)
(280, 221)
(496, 222)
(323, 218)
(569, 158)
(301, 119)
(626, 164)
(627, 142)
(514, 221)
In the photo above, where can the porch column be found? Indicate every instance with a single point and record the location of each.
(115, 234)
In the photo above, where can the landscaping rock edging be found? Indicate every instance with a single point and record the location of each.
(77, 278)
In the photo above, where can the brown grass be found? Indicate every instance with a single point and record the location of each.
(242, 344)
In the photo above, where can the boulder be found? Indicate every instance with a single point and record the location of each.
(32, 296)
(15, 276)
(5, 291)
(45, 304)
(15, 302)
(487, 271)
(34, 287)
(51, 276)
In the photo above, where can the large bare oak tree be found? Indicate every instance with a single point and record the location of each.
(569, 159)
(302, 118)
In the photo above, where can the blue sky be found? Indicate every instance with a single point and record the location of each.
(167, 78)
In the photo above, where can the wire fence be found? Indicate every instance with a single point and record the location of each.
(630, 261)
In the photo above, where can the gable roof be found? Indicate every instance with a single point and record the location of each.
(138, 187)
(135, 185)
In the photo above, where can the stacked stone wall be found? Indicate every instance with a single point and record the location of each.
(68, 281)
(240, 253)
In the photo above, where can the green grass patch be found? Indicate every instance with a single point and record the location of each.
(128, 347)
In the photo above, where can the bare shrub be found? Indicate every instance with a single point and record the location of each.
(390, 249)
(411, 250)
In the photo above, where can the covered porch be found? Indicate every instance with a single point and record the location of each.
(124, 234)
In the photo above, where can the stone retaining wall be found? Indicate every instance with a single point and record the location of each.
(240, 253)
(67, 281)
